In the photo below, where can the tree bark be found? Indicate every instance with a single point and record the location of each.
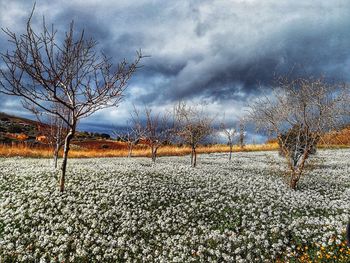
(55, 156)
(154, 154)
(193, 157)
(67, 140)
(192, 154)
(295, 177)
(293, 181)
(297, 170)
(230, 157)
(130, 151)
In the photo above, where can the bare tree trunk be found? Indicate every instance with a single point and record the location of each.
(230, 157)
(294, 179)
(241, 137)
(55, 156)
(193, 157)
(69, 137)
(58, 144)
(154, 153)
(130, 150)
(296, 173)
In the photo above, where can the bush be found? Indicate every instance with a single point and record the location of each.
(5, 119)
(105, 136)
(104, 146)
(14, 128)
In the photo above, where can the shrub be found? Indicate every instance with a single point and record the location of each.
(104, 146)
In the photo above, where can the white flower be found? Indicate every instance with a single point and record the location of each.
(120, 209)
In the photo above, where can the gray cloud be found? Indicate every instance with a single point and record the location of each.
(220, 51)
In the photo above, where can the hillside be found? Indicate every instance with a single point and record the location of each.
(341, 137)
(13, 128)
(16, 119)
(19, 129)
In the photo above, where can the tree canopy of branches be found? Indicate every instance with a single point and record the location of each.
(299, 112)
(192, 126)
(43, 70)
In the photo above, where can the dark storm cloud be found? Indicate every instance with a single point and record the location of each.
(310, 49)
(84, 20)
(220, 51)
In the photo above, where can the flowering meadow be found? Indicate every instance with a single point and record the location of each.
(130, 210)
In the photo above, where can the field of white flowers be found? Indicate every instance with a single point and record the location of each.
(127, 210)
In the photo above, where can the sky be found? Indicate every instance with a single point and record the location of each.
(224, 53)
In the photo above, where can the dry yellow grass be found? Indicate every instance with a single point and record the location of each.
(25, 151)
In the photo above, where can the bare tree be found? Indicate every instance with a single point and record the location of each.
(42, 70)
(192, 127)
(53, 128)
(242, 133)
(346, 103)
(299, 112)
(229, 133)
(158, 130)
(134, 133)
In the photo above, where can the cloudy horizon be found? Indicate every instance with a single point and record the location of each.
(220, 52)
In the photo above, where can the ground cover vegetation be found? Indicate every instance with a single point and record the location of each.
(127, 209)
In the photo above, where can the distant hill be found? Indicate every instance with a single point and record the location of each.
(13, 128)
(19, 129)
(341, 137)
(16, 119)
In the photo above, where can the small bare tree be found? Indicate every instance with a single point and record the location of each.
(242, 133)
(44, 71)
(229, 133)
(158, 131)
(346, 103)
(192, 127)
(53, 128)
(134, 133)
(299, 112)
